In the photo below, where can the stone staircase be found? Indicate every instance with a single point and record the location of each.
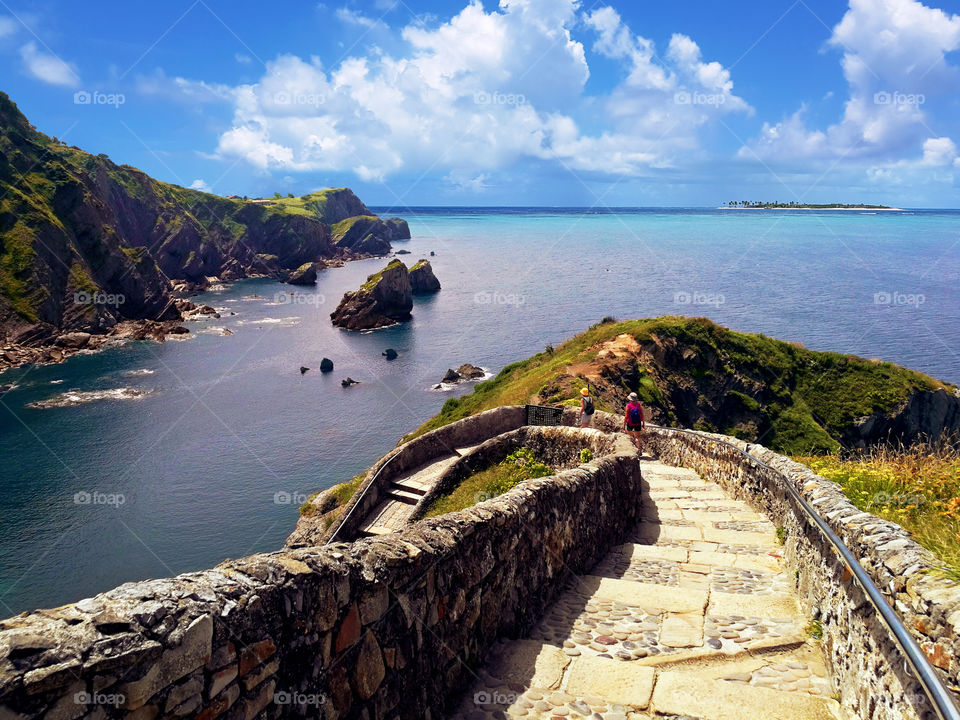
(405, 491)
(695, 618)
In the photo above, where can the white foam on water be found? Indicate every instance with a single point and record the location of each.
(72, 398)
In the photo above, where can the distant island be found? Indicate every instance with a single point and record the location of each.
(757, 205)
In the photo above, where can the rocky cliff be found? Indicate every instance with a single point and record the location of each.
(693, 373)
(385, 299)
(86, 244)
(422, 279)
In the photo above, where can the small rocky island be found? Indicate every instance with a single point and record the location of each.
(386, 298)
(422, 279)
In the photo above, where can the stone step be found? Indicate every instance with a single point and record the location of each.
(408, 487)
(404, 496)
(687, 694)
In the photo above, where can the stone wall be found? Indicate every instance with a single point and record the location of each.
(430, 446)
(380, 628)
(558, 447)
(868, 668)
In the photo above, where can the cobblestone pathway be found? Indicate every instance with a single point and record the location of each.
(694, 618)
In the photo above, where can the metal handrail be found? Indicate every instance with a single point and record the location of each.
(933, 686)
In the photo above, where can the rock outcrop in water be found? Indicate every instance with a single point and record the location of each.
(385, 299)
(87, 245)
(422, 279)
(306, 274)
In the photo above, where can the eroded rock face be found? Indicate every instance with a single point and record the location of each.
(401, 231)
(385, 299)
(422, 279)
(306, 274)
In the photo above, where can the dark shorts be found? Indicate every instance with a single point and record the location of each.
(634, 428)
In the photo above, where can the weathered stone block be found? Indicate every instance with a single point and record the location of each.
(369, 670)
(349, 631)
(255, 654)
(258, 676)
(220, 679)
(181, 691)
(192, 653)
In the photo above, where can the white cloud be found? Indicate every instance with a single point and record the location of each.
(200, 184)
(894, 61)
(182, 89)
(48, 68)
(938, 152)
(8, 26)
(478, 93)
(242, 59)
(352, 17)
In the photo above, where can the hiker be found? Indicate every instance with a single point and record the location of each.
(585, 418)
(633, 420)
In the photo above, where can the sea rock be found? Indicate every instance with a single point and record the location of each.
(326, 365)
(363, 235)
(422, 279)
(348, 381)
(470, 372)
(451, 376)
(390, 354)
(73, 340)
(385, 299)
(464, 372)
(306, 274)
(399, 228)
(402, 252)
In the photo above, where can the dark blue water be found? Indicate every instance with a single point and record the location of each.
(229, 438)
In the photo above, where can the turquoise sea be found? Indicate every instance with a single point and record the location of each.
(202, 449)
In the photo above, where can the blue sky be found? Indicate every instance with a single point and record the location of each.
(525, 102)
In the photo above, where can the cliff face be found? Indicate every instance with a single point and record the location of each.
(422, 279)
(385, 299)
(692, 373)
(86, 243)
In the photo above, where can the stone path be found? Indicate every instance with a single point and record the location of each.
(393, 512)
(695, 618)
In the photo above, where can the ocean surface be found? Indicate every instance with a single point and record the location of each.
(176, 456)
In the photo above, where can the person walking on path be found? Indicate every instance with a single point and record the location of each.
(585, 418)
(633, 420)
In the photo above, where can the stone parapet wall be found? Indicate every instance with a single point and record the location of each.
(380, 628)
(558, 447)
(430, 446)
(868, 668)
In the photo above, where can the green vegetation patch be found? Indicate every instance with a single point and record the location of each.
(489, 483)
(810, 399)
(917, 488)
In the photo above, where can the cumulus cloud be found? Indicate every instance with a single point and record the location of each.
(200, 184)
(477, 93)
(895, 63)
(48, 68)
